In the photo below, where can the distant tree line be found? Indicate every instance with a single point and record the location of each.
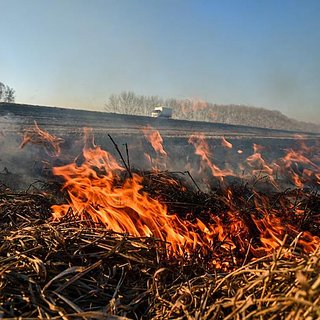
(191, 109)
(6, 93)
(130, 103)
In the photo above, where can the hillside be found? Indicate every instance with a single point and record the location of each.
(189, 109)
(245, 115)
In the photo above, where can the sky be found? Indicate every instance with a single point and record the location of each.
(76, 53)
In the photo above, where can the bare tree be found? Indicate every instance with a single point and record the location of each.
(127, 102)
(198, 110)
(6, 93)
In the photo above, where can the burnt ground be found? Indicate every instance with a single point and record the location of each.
(69, 120)
(75, 270)
(22, 166)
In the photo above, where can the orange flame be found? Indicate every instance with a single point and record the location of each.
(202, 149)
(95, 191)
(226, 143)
(260, 167)
(37, 136)
(92, 191)
(154, 137)
(297, 166)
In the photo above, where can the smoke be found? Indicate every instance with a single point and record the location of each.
(21, 167)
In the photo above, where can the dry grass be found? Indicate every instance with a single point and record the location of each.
(75, 269)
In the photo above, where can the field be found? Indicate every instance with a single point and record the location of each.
(144, 218)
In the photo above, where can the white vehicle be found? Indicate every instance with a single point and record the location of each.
(162, 112)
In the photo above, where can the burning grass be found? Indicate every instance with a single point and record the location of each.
(78, 269)
(105, 241)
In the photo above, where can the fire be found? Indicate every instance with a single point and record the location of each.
(35, 135)
(154, 137)
(226, 143)
(259, 165)
(93, 191)
(202, 150)
(301, 166)
(98, 191)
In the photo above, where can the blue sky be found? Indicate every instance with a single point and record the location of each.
(75, 53)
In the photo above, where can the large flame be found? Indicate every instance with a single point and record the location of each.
(97, 190)
(93, 191)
